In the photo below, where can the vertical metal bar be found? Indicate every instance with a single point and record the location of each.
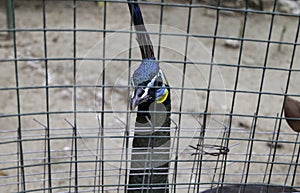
(237, 76)
(99, 147)
(9, 17)
(202, 133)
(103, 92)
(71, 155)
(48, 141)
(19, 130)
(100, 141)
(285, 92)
(75, 96)
(160, 28)
(158, 58)
(260, 90)
(296, 165)
(275, 131)
(128, 107)
(291, 163)
(182, 92)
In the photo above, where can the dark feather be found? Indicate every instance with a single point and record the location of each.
(143, 37)
(292, 113)
(251, 188)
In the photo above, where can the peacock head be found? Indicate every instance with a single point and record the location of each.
(149, 84)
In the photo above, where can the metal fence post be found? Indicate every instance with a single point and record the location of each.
(9, 17)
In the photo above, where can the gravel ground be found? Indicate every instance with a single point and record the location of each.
(89, 76)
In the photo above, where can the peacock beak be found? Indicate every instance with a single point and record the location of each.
(134, 103)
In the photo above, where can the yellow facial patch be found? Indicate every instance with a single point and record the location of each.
(163, 97)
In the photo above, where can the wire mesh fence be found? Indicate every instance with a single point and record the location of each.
(65, 89)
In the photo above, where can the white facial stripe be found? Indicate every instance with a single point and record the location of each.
(161, 74)
(145, 92)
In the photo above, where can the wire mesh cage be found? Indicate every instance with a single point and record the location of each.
(66, 85)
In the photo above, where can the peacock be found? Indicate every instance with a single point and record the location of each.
(151, 94)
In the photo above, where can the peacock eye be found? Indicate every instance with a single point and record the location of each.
(158, 83)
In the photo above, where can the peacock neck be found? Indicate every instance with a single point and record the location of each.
(157, 113)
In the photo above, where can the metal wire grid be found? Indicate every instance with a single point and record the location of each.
(46, 150)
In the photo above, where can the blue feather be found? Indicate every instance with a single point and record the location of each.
(146, 71)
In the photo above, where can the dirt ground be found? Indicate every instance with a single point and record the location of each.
(94, 78)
